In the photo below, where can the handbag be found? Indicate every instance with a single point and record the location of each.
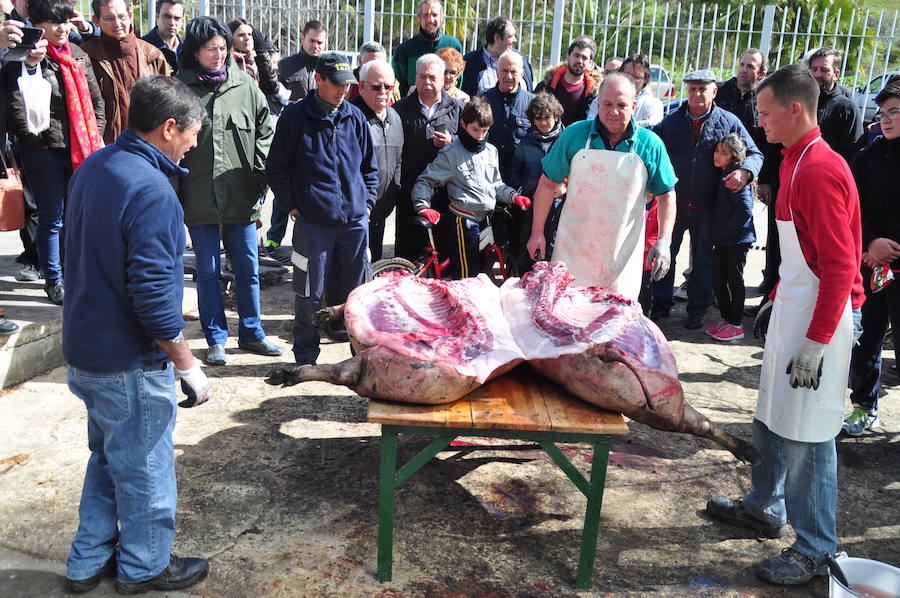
(12, 196)
(36, 92)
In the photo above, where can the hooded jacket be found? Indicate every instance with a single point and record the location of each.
(551, 83)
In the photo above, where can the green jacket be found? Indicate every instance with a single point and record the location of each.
(227, 169)
(407, 53)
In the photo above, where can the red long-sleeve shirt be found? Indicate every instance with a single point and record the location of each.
(824, 205)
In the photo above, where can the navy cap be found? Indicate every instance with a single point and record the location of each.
(701, 76)
(336, 68)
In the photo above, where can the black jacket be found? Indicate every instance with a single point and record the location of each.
(387, 137)
(510, 123)
(418, 148)
(171, 57)
(743, 105)
(840, 122)
(875, 171)
(475, 65)
(298, 74)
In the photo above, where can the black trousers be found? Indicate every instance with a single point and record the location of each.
(728, 280)
(773, 248)
(461, 236)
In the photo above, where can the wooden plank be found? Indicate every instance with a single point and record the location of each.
(568, 413)
(510, 403)
(407, 414)
(459, 413)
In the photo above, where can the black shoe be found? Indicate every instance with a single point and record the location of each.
(694, 321)
(55, 292)
(7, 327)
(734, 512)
(658, 313)
(181, 573)
(790, 568)
(336, 332)
(30, 273)
(261, 347)
(80, 586)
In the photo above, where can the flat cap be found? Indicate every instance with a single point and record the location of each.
(700, 76)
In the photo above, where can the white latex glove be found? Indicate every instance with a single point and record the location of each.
(194, 384)
(659, 258)
(806, 366)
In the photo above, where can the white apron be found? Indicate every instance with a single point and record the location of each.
(801, 414)
(601, 228)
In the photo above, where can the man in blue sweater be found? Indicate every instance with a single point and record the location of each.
(322, 168)
(122, 338)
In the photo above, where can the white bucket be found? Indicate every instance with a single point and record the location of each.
(874, 575)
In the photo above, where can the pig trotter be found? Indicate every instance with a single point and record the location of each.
(328, 314)
(345, 373)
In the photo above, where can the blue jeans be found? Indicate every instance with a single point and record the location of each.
(797, 483)
(700, 283)
(334, 260)
(48, 177)
(241, 242)
(129, 489)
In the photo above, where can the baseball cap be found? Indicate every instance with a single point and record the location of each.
(336, 68)
(701, 76)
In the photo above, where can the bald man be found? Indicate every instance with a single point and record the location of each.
(508, 99)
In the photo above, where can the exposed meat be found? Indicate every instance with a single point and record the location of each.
(601, 348)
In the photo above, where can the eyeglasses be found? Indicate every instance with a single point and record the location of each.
(379, 87)
(451, 73)
(889, 115)
(114, 18)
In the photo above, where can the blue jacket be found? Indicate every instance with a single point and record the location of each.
(526, 169)
(475, 65)
(322, 165)
(124, 241)
(510, 123)
(733, 214)
(698, 178)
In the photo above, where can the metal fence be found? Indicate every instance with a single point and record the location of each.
(679, 36)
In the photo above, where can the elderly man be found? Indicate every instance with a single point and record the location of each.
(169, 20)
(330, 190)
(574, 83)
(367, 52)
(839, 118)
(122, 335)
(298, 72)
(428, 40)
(803, 381)
(508, 100)
(690, 134)
(119, 59)
(648, 111)
(482, 64)
(430, 118)
(601, 228)
(376, 83)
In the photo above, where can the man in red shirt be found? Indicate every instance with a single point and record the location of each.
(813, 321)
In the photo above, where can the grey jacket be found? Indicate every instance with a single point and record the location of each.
(473, 181)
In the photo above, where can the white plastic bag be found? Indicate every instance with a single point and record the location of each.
(36, 96)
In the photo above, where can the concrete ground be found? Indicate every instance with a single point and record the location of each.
(278, 487)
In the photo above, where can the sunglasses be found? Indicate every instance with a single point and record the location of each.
(379, 87)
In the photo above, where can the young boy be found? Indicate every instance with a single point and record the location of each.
(733, 233)
(469, 168)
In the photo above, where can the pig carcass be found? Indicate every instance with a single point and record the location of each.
(418, 340)
(600, 347)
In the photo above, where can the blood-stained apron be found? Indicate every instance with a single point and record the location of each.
(801, 414)
(601, 228)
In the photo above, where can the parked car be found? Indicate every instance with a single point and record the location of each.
(865, 95)
(661, 83)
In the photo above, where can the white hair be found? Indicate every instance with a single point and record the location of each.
(510, 55)
(364, 69)
(427, 59)
(621, 77)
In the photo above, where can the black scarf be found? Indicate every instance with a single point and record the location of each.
(469, 142)
(431, 38)
(551, 135)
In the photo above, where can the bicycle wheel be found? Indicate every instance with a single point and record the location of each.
(392, 265)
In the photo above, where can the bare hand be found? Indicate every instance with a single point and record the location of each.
(737, 179)
(34, 57)
(81, 23)
(883, 250)
(765, 194)
(868, 261)
(537, 247)
(441, 139)
(10, 34)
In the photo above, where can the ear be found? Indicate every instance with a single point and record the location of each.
(95, 19)
(168, 129)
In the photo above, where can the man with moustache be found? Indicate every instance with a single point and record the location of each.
(428, 40)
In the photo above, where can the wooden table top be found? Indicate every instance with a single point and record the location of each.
(519, 400)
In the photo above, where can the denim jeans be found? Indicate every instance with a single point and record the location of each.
(241, 242)
(48, 177)
(700, 284)
(129, 489)
(797, 483)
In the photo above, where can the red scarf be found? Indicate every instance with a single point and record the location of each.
(84, 137)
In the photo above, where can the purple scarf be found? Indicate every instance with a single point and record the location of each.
(213, 78)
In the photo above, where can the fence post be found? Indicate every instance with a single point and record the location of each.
(204, 8)
(768, 24)
(369, 21)
(556, 41)
(151, 15)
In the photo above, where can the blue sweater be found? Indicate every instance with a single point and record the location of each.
(733, 214)
(324, 166)
(124, 241)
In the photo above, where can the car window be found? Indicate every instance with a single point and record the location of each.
(656, 74)
(876, 84)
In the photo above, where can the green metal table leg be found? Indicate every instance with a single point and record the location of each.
(386, 487)
(592, 515)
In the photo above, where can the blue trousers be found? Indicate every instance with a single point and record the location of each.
(797, 483)
(279, 224)
(700, 283)
(48, 176)
(331, 257)
(129, 491)
(241, 242)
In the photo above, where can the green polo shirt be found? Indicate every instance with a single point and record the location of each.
(648, 147)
